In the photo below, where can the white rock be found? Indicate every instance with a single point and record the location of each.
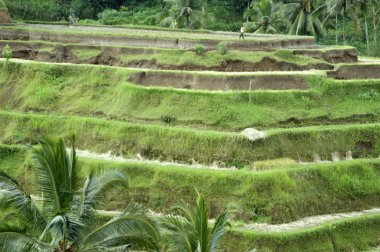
(253, 134)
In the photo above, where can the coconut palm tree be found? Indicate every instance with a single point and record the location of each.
(191, 10)
(305, 18)
(270, 16)
(190, 231)
(63, 217)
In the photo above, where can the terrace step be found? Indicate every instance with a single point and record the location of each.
(213, 81)
(148, 38)
(140, 57)
(356, 71)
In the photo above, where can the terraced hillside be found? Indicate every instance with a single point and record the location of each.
(281, 132)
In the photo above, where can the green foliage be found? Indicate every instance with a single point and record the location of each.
(222, 48)
(7, 53)
(2, 5)
(369, 95)
(89, 86)
(199, 49)
(156, 185)
(114, 17)
(84, 54)
(190, 231)
(65, 215)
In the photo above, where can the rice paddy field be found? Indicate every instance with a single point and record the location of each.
(281, 132)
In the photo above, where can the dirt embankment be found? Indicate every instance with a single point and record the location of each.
(348, 72)
(266, 64)
(4, 17)
(334, 56)
(111, 56)
(219, 82)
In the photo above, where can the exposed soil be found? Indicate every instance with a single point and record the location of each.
(111, 56)
(4, 17)
(349, 72)
(219, 82)
(333, 56)
(266, 64)
(326, 120)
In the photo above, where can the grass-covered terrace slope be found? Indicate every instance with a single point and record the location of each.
(232, 60)
(111, 31)
(276, 196)
(186, 145)
(106, 92)
(131, 37)
(356, 234)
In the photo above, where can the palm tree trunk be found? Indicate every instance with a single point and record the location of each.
(336, 29)
(187, 21)
(344, 27)
(366, 33)
(248, 8)
(375, 23)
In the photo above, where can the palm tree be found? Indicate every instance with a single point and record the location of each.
(64, 219)
(270, 16)
(190, 9)
(305, 18)
(190, 232)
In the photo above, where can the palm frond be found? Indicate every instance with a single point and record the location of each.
(219, 230)
(132, 222)
(57, 173)
(13, 195)
(11, 241)
(94, 192)
(177, 234)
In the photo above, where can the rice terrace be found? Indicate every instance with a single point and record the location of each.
(189, 125)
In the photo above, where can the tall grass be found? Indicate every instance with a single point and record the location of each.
(105, 92)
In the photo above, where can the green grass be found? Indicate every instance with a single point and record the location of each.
(348, 235)
(2, 5)
(181, 144)
(177, 57)
(84, 54)
(88, 90)
(270, 196)
(214, 58)
(46, 49)
(154, 34)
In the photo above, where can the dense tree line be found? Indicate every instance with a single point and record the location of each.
(332, 21)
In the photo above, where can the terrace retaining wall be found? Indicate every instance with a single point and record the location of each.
(219, 82)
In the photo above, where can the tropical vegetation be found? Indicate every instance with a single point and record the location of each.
(62, 216)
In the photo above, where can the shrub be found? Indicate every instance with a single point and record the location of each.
(2, 5)
(222, 49)
(114, 17)
(369, 95)
(7, 53)
(250, 27)
(234, 27)
(199, 49)
(168, 118)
